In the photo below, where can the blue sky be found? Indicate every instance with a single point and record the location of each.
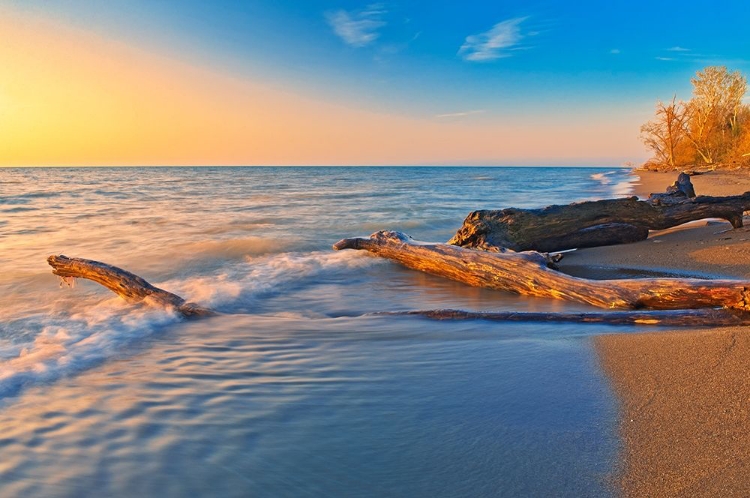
(583, 47)
(471, 61)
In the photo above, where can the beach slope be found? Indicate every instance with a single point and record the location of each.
(684, 395)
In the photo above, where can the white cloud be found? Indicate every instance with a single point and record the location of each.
(615, 51)
(665, 58)
(459, 114)
(678, 49)
(357, 28)
(497, 43)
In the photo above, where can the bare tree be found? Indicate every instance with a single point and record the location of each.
(666, 132)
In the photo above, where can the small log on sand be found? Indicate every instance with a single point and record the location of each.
(595, 223)
(664, 318)
(682, 187)
(527, 273)
(130, 287)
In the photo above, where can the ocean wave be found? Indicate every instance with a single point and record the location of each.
(618, 186)
(18, 209)
(371, 227)
(60, 341)
(235, 248)
(624, 188)
(603, 178)
(235, 286)
(68, 344)
(237, 227)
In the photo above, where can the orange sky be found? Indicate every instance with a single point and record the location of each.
(69, 97)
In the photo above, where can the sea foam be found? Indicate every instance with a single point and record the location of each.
(94, 331)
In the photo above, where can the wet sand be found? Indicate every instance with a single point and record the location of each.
(684, 395)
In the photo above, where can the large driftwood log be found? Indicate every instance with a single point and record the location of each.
(135, 289)
(527, 273)
(130, 287)
(595, 223)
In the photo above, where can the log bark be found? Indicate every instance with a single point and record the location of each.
(130, 287)
(662, 318)
(595, 223)
(527, 273)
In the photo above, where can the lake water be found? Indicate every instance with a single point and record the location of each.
(296, 390)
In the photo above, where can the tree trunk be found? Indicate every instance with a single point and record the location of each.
(130, 287)
(527, 273)
(595, 223)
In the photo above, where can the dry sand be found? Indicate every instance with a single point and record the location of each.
(699, 248)
(685, 395)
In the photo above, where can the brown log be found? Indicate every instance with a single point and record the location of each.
(595, 223)
(130, 287)
(662, 318)
(527, 273)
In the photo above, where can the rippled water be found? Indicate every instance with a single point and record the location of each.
(295, 391)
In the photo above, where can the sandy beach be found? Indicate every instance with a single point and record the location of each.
(684, 394)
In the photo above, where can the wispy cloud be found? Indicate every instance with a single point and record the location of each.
(497, 43)
(685, 55)
(459, 114)
(357, 28)
(615, 51)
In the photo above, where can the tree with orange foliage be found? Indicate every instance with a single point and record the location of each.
(713, 111)
(712, 128)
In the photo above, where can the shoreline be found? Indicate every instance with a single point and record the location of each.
(684, 394)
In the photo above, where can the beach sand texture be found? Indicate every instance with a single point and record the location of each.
(684, 395)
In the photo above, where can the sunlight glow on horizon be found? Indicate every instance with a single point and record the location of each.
(69, 97)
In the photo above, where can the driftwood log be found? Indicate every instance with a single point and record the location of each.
(460, 264)
(672, 318)
(595, 223)
(527, 273)
(130, 287)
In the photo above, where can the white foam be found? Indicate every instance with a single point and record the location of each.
(262, 274)
(620, 188)
(67, 344)
(603, 178)
(93, 330)
(623, 189)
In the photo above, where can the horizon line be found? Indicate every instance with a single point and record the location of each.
(323, 166)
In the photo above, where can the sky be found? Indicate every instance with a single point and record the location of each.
(156, 82)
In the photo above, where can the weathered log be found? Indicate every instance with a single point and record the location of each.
(679, 191)
(595, 223)
(527, 273)
(682, 186)
(130, 287)
(661, 318)
(133, 288)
